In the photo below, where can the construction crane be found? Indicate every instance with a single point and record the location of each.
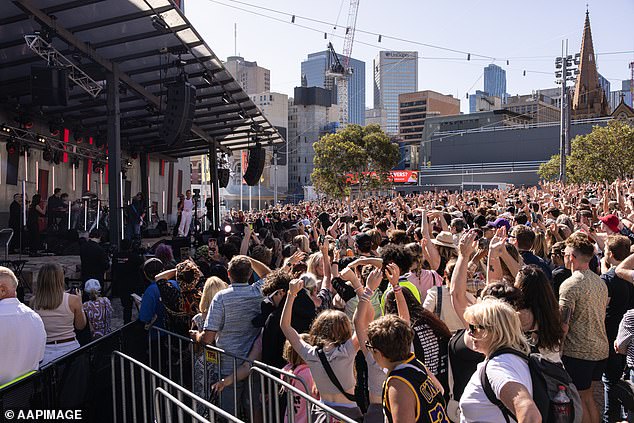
(338, 70)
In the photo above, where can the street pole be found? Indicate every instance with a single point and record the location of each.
(274, 178)
(568, 72)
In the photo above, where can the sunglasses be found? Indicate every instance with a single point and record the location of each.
(475, 328)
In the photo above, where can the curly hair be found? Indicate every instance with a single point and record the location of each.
(330, 326)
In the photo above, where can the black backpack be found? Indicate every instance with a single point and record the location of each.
(546, 376)
(176, 320)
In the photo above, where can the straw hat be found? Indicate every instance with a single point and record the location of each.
(444, 239)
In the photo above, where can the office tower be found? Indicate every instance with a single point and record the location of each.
(495, 81)
(252, 78)
(314, 75)
(395, 72)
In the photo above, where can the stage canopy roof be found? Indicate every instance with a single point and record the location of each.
(152, 43)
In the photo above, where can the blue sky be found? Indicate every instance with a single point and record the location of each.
(528, 33)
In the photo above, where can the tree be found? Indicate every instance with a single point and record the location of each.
(605, 154)
(363, 154)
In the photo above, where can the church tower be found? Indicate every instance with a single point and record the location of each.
(589, 100)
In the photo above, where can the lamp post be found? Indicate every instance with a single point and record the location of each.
(565, 70)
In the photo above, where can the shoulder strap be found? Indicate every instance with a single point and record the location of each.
(438, 308)
(332, 376)
(486, 384)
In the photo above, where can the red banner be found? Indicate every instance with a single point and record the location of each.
(396, 177)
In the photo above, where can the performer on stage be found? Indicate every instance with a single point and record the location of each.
(186, 214)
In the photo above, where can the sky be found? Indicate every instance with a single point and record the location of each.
(528, 34)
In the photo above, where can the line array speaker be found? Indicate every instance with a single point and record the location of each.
(49, 86)
(223, 178)
(179, 112)
(255, 167)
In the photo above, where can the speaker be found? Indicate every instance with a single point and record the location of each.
(257, 156)
(180, 247)
(223, 178)
(179, 112)
(49, 86)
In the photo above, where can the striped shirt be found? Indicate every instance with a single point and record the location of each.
(625, 335)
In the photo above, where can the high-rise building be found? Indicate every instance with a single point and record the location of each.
(314, 75)
(252, 78)
(414, 108)
(310, 115)
(615, 96)
(395, 72)
(495, 81)
(483, 102)
(538, 107)
(377, 117)
(589, 99)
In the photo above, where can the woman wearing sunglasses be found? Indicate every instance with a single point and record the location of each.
(494, 325)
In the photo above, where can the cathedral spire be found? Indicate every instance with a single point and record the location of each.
(589, 100)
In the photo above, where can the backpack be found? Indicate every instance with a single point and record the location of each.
(546, 377)
(176, 320)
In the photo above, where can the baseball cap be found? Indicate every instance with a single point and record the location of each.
(499, 222)
(92, 285)
(611, 221)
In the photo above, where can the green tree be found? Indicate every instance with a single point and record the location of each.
(356, 151)
(605, 154)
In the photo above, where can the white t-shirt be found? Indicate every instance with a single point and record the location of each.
(188, 205)
(475, 406)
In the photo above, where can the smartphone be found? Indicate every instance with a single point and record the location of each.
(320, 240)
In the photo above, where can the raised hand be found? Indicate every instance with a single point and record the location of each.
(295, 286)
(393, 273)
(374, 279)
(497, 242)
(467, 244)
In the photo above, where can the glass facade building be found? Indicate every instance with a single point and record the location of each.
(495, 81)
(395, 72)
(314, 75)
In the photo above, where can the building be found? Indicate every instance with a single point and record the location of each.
(615, 96)
(314, 75)
(307, 121)
(605, 84)
(395, 72)
(495, 81)
(589, 99)
(252, 78)
(482, 102)
(377, 117)
(537, 106)
(414, 108)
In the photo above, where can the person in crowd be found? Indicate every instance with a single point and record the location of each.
(15, 223)
(61, 312)
(55, 208)
(539, 312)
(186, 214)
(98, 310)
(228, 325)
(152, 311)
(127, 277)
(411, 393)
(35, 213)
(136, 216)
(331, 344)
(494, 325)
(21, 330)
(165, 253)
(523, 238)
(213, 285)
(94, 258)
(621, 296)
(583, 299)
(560, 273)
(299, 368)
(179, 215)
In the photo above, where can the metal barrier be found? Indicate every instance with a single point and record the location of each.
(134, 387)
(271, 409)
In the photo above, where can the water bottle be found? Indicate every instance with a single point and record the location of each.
(562, 407)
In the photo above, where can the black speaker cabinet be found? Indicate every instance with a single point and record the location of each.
(257, 156)
(179, 112)
(223, 178)
(49, 86)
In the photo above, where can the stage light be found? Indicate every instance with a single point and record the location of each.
(57, 157)
(41, 139)
(5, 129)
(159, 24)
(12, 146)
(128, 163)
(47, 155)
(228, 229)
(78, 135)
(97, 167)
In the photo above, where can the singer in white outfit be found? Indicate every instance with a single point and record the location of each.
(186, 215)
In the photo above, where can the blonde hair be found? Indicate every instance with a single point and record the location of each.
(49, 291)
(7, 275)
(501, 323)
(290, 355)
(330, 326)
(302, 242)
(540, 245)
(213, 285)
(315, 263)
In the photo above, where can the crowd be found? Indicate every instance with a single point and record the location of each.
(435, 307)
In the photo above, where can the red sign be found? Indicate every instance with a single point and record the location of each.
(396, 176)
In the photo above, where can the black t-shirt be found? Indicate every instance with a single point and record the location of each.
(432, 350)
(464, 362)
(621, 294)
(560, 274)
